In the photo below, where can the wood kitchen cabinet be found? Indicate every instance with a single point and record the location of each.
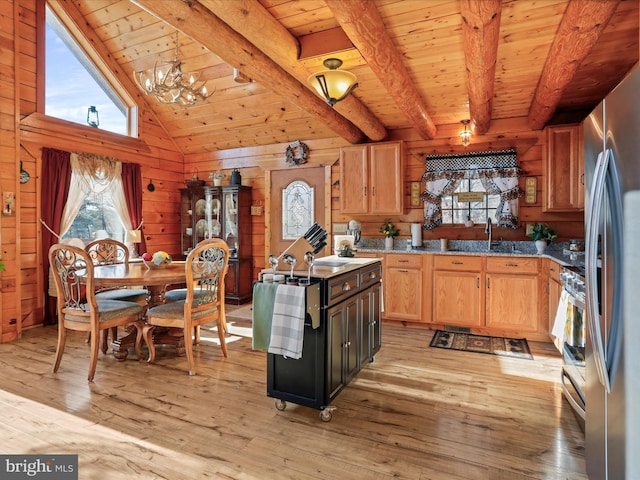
(458, 290)
(403, 287)
(563, 169)
(371, 179)
(513, 294)
(342, 324)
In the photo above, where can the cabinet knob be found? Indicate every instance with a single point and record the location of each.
(346, 287)
(455, 262)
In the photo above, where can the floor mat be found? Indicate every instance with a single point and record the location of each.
(508, 347)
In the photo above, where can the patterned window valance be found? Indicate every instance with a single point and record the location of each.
(497, 170)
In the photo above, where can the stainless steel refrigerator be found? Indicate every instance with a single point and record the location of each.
(612, 260)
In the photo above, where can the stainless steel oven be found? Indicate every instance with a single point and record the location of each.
(573, 345)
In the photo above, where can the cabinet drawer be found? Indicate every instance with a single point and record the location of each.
(406, 261)
(554, 271)
(512, 265)
(369, 275)
(342, 287)
(463, 263)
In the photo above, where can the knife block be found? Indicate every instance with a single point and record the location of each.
(297, 249)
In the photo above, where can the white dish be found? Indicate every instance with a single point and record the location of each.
(201, 207)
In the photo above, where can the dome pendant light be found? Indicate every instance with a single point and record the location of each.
(333, 85)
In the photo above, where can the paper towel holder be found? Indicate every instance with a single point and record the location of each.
(416, 236)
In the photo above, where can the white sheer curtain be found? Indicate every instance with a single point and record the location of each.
(94, 174)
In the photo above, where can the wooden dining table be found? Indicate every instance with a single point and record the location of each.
(156, 281)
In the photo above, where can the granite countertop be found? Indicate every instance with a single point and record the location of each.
(558, 251)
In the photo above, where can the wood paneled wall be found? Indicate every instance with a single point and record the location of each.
(255, 163)
(24, 132)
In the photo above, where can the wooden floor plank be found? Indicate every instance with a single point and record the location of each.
(414, 413)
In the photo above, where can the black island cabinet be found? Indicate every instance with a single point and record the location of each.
(348, 306)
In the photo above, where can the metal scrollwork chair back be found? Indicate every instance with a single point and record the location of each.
(77, 306)
(205, 268)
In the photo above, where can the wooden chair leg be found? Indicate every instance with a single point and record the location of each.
(221, 336)
(188, 349)
(104, 340)
(147, 334)
(93, 359)
(196, 335)
(62, 336)
(139, 330)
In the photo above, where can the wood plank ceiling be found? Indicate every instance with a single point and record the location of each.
(423, 65)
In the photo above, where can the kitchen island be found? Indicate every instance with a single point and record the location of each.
(343, 303)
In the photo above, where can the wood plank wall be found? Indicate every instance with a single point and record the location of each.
(255, 163)
(23, 135)
(22, 295)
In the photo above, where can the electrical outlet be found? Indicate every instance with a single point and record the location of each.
(340, 227)
(529, 228)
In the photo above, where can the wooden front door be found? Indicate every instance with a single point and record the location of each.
(317, 177)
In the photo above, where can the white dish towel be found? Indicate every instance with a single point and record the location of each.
(287, 324)
(560, 322)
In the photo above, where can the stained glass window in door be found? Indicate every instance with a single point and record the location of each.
(297, 209)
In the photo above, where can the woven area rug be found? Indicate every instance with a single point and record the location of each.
(508, 347)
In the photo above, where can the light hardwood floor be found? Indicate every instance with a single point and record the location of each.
(415, 413)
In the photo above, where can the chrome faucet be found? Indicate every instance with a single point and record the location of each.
(489, 230)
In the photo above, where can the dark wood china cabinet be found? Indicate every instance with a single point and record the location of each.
(223, 212)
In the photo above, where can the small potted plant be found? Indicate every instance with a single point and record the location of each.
(389, 231)
(217, 178)
(542, 234)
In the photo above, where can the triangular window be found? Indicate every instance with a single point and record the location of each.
(76, 90)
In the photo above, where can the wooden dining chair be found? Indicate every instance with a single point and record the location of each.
(205, 268)
(107, 251)
(78, 307)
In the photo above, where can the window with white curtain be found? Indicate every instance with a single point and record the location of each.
(96, 206)
(448, 177)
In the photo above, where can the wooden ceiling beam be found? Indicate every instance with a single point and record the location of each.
(363, 24)
(258, 26)
(581, 26)
(480, 35)
(199, 23)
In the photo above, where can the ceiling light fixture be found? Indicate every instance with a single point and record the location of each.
(169, 84)
(465, 136)
(333, 85)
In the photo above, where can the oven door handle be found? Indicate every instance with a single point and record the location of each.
(579, 408)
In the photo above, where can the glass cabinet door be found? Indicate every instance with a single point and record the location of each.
(230, 232)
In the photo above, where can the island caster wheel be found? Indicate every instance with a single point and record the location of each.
(326, 415)
(281, 405)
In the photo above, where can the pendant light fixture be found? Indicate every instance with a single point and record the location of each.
(332, 84)
(169, 84)
(465, 135)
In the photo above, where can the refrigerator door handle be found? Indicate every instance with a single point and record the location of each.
(606, 355)
(591, 259)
